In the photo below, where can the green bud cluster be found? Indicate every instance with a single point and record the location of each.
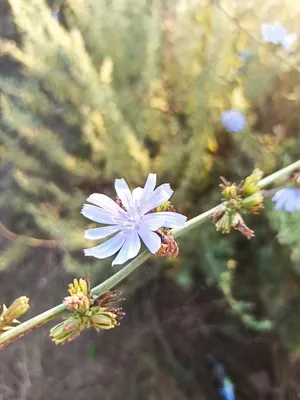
(86, 311)
(245, 198)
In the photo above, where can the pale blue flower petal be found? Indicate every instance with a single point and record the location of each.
(105, 202)
(129, 250)
(287, 199)
(151, 239)
(100, 233)
(124, 193)
(159, 196)
(277, 34)
(98, 215)
(277, 195)
(279, 205)
(280, 198)
(136, 196)
(233, 120)
(289, 41)
(148, 188)
(273, 33)
(158, 220)
(108, 248)
(55, 15)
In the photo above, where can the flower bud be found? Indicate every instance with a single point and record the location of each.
(10, 315)
(224, 223)
(230, 192)
(67, 330)
(167, 206)
(78, 302)
(87, 311)
(253, 203)
(104, 320)
(250, 185)
(78, 287)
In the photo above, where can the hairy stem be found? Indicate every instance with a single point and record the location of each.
(41, 319)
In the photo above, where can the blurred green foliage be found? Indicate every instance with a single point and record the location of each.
(121, 89)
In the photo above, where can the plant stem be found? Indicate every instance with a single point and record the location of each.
(279, 174)
(14, 333)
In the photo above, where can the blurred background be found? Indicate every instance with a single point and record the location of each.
(93, 90)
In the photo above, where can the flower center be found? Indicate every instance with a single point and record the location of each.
(134, 220)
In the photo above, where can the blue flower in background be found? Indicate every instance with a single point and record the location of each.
(233, 120)
(132, 223)
(225, 387)
(277, 34)
(287, 199)
(227, 391)
(55, 15)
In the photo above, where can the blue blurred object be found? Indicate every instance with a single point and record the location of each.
(277, 34)
(55, 15)
(287, 199)
(225, 386)
(246, 55)
(233, 120)
(227, 391)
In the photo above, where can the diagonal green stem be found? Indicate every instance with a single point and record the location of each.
(41, 319)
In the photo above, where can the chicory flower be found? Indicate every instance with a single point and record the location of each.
(135, 221)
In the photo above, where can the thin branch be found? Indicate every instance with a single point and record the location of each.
(30, 241)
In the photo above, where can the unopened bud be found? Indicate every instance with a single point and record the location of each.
(67, 330)
(19, 307)
(253, 203)
(104, 320)
(78, 302)
(230, 192)
(250, 185)
(224, 223)
(78, 287)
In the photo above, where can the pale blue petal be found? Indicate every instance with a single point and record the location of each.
(129, 250)
(280, 198)
(287, 199)
(98, 215)
(136, 196)
(157, 220)
(108, 248)
(157, 198)
(293, 202)
(273, 33)
(233, 120)
(100, 233)
(288, 41)
(148, 188)
(278, 194)
(106, 203)
(151, 239)
(124, 193)
(289, 205)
